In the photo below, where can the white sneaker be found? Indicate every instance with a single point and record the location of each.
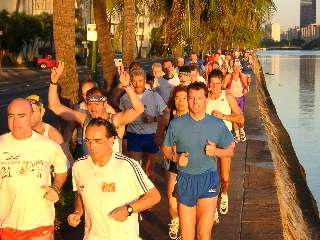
(224, 203)
(243, 137)
(216, 217)
(174, 228)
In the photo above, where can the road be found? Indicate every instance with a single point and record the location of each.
(22, 82)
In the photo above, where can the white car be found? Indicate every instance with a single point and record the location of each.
(118, 59)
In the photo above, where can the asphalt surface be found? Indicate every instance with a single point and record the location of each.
(22, 82)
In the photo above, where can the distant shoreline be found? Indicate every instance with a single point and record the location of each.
(287, 49)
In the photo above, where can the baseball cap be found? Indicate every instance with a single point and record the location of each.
(35, 99)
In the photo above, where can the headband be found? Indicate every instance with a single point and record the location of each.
(95, 98)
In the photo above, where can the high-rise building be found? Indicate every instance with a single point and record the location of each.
(30, 7)
(273, 31)
(308, 12)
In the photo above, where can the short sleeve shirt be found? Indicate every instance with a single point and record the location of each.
(24, 168)
(192, 136)
(153, 106)
(166, 86)
(105, 188)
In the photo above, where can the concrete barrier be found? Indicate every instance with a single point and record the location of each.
(299, 213)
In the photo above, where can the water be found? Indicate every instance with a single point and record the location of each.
(295, 92)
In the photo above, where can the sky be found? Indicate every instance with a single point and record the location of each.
(288, 13)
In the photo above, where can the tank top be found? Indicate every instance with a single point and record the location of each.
(236, 87)
(83, 109)
(117, 144)
(220, 104)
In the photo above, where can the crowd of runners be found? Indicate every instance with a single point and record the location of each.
(188, 112)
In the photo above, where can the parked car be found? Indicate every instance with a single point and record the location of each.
(118, 59)
(46, 62)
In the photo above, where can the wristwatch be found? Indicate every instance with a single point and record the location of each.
(129, 209)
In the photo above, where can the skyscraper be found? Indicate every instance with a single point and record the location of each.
(308, 12)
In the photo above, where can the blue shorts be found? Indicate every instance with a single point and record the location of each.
(141, 143)
(189, 188)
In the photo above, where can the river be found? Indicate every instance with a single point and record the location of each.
(293, 81)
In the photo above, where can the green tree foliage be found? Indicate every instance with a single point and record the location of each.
(223, 23)
(19, 29)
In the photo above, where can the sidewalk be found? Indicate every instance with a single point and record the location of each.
(253, 205)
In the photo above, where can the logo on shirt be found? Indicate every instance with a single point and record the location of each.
(108, 187)
(212, 190)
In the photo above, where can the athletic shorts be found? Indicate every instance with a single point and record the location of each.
(141, 143)
(173, 167)
(240, 101)
(189, 188)
(11, 233)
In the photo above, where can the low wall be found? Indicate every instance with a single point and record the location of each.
(299, 213)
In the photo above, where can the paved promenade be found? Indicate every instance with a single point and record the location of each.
(253, 204)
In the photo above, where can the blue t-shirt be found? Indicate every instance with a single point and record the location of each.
(192, 136)
(246, 66)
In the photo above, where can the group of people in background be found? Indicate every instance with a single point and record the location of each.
(188, 113)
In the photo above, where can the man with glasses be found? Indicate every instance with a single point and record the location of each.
(111, 188)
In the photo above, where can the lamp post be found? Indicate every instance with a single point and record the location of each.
(93, 48)
(1, 34)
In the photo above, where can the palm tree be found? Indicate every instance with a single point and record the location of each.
(104, 42)
(64, 42)
(128, 36)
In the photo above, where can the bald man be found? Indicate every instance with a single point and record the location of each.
(26, 194)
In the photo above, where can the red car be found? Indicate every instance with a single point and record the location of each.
(46, 62)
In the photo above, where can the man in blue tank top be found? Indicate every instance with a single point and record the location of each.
(199, 139)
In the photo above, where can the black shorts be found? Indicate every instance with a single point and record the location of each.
(173, 167)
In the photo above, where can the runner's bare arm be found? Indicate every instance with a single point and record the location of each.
(212, 150)
(225, 81)
(236, 113)
(54, 102)
(168, 152)
(56, 136)
(163, 121)
(75, 218)
(146, 201)
(131, 114)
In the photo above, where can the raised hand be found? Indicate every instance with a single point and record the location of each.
(182, 159)
(124, 79)
(56, 72)
(210, 148)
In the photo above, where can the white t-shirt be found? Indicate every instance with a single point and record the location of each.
(201, 79)
(105, 188)
(166, 86)
(153, 106)
(220, 104)
(24, 168)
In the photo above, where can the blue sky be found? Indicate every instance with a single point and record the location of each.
(288, 14)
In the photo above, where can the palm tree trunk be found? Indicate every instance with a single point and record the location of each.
(196, 45)
(104, 42)
(64, 41)
(128, 36)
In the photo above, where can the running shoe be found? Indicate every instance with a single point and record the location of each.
(224, 205)
(174, 228)
(236, 139)
(243, 137)
(216, 217)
